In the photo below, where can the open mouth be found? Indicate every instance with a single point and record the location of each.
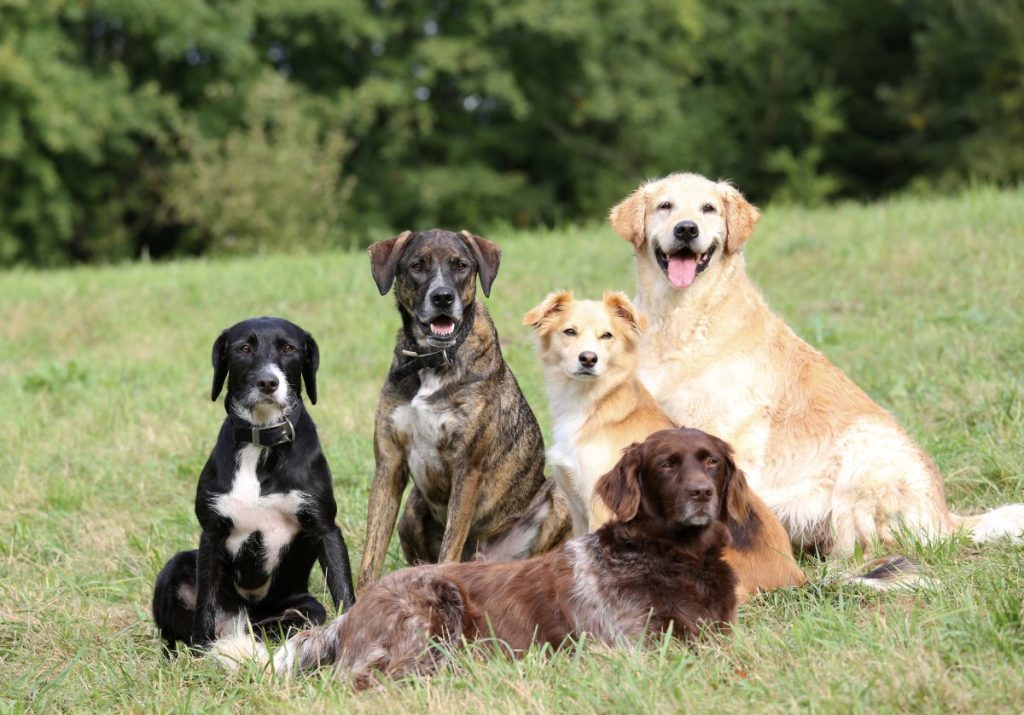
(681, 268)
(441, 327)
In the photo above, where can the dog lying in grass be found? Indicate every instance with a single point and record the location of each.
(657, 565)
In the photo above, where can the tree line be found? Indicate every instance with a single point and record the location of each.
(180, 127)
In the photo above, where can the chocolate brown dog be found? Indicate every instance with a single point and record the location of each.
(451, 416)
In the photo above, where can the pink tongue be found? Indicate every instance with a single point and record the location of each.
(442, 327)
(682, 271)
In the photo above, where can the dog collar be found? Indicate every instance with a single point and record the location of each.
(415, 361)
(266, 436)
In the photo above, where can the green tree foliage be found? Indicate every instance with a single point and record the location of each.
(79, 143)
(188, 126)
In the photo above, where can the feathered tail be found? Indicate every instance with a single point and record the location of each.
(1005, 521)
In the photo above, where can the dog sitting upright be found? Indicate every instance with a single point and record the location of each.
(265, 498)
(452, 417)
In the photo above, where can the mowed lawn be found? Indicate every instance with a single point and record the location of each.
(105, 376)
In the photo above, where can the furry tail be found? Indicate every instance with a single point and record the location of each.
(1005, 521)
(308, 649)
(889, 573)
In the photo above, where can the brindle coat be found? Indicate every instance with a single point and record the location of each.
(452, 417)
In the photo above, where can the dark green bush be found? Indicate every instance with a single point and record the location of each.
(163, 128)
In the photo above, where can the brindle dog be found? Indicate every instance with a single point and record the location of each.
(451, 416)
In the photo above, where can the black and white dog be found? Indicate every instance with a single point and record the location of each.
(264, 502)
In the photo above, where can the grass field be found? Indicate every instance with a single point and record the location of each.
(105, 375)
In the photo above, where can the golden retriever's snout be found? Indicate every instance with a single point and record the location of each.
(686, 231)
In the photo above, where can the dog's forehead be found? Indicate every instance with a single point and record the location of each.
(682, 442)
(697, 440)
(683, 188)
(591, 312)
(437, 243)
(265, 328)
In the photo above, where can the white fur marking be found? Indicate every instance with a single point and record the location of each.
(606, 617)
(275, 515)
(424, 427)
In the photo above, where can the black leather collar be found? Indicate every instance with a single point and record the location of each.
(265, 436)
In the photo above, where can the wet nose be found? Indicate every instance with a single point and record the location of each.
(686, 231)
(588, 359)
(267, 383)
(701, 493)
(442, 298)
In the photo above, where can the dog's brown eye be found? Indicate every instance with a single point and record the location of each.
(708, 208)
(569, 331)
(711, 462)
(665, 206)
(244, 348)
(287, 348)
(418, 266)
(461, 266)
(606, 336)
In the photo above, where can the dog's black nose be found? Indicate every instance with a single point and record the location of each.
(686, 231)
(267, 384)
(588, 359)
(701, 494)
(442, 298)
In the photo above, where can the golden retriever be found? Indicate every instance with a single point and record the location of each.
(835, 467)
(589, 352)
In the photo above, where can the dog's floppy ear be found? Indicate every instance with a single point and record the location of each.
(736, 499)
(539, 316)
(488, 257)
(310, 364)
(220, 364)
(384, 257)
(619, 489)
(620, 306)
(627, 217)
(740, 216)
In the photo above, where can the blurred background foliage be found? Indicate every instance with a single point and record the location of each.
(157, 128)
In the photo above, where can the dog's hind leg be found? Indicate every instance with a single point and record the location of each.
(545, 525)
(418, 533)
(174, 599)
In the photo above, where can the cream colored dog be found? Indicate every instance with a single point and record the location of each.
(589, 352)
(835, 467)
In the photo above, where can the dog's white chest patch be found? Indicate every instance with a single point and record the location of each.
(274, 515)
(424, 427)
